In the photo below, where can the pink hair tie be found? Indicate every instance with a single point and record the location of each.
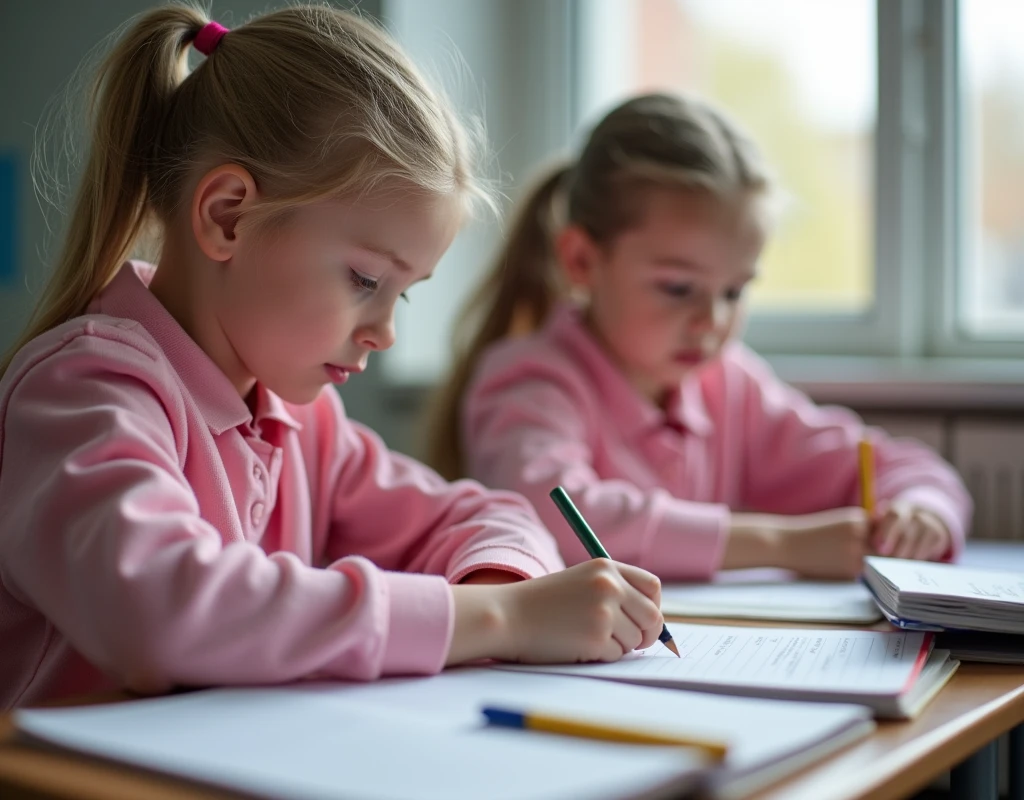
(209, 37)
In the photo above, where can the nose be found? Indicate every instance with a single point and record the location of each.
(379, 332)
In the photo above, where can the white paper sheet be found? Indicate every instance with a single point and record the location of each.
(454, 698)
(305, 744)
(424, 738)
(792, 601)
(951, 580)
(868, 663)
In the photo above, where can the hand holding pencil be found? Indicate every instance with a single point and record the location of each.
(594, 611)
(594, 547)
(899, 529)
(599, 610)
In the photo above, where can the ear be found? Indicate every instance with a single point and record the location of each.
(221, 197)
(577, 252)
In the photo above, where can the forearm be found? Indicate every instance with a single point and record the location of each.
(481, 627)
(754, 540)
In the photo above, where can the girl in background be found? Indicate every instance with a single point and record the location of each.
(602, 354)
(184, 499)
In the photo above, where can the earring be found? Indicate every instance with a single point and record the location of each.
(579, 296)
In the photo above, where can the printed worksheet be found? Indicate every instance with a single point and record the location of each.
(831, 661)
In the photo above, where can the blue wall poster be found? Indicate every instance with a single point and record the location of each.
(8, 219)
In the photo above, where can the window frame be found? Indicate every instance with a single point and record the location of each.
(947, 336)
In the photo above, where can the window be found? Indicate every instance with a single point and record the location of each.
(991, 275)
(897, 129)
(799, 76)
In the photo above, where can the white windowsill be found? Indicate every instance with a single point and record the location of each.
(913, 383)
(863, 382)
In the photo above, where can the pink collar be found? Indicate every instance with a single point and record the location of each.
(127, 296)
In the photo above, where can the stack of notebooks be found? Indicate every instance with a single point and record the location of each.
(980, 612)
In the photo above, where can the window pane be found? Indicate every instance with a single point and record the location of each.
(991, 280)
(800, 76)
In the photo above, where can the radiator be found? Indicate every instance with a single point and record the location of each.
(990, 457)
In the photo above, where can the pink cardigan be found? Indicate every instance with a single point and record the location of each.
(155, 532)
(658, 487)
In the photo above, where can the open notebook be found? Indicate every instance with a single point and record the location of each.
(423, 738)
(895, 673)
(756, 594)
(922, 595)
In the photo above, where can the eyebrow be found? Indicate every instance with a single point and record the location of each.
(388, 254)
(683, 263)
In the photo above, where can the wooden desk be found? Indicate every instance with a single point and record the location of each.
(980, 703)
(33, 773)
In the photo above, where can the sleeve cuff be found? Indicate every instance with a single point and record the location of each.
(687, 540)
(948, 510)
(509, 559)
(421, 619)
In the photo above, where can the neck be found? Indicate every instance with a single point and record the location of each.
(186, 287)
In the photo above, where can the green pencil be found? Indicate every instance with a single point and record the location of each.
(593, 545)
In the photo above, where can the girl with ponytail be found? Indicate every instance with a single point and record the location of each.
(601, 354)
(184, 501)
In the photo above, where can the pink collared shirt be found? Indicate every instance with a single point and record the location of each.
(658, 486)
(155, 532)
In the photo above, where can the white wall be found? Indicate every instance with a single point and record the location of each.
(504, 62)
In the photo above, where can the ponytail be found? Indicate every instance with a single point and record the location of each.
(514, 299)
(128, 102)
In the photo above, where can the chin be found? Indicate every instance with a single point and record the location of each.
(680, 371)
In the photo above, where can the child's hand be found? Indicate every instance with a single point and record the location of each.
(829, 545)
(595, 611)
(906, 531)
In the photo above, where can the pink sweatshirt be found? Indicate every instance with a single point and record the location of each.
(657, 486)
(154, 532)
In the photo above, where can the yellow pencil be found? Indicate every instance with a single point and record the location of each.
(716, 751)
(867, 475)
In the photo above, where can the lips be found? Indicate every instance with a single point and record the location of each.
(689, 357)
(339, 374)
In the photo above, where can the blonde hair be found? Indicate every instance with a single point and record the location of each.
(653, 140)
(314, 102)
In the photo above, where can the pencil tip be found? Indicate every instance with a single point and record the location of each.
(671, 645)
